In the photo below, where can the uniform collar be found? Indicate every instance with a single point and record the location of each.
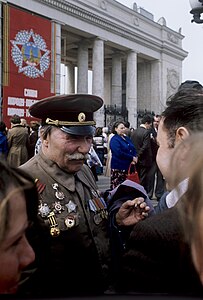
(61, 177)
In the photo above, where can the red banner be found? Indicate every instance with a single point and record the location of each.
(27, 62)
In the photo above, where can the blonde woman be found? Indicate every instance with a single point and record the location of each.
(18, 206)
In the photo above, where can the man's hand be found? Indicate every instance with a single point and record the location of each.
(131, 212)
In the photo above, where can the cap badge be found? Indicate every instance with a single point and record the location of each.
(81, 117)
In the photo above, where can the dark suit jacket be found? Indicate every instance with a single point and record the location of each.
(141, 140)
(157, 259)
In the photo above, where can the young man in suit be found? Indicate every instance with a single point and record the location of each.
(157, 258)
(141, 140)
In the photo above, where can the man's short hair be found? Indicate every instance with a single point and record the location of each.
(188, 84)
(185, 108)
(15, 119)
(147, 119)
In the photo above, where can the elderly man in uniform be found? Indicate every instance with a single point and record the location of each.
(71, 239)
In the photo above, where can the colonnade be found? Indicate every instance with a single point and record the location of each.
(114, 86)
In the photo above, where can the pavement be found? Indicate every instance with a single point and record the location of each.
(103, 183)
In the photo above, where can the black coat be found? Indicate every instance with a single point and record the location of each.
(157, 259)
(141, 140)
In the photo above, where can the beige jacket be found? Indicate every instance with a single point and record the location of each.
(17, 144)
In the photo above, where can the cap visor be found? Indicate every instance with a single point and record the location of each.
(79, 130)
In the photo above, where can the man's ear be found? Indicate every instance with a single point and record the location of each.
(181, 134)
(45, 142)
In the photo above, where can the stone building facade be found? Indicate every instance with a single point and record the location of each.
(135, 62)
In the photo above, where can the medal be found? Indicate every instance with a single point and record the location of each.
(57, 207)
(70, 221)
(98, 205)
(92, 206)
(59, 194)
(71, 206)
(44, 210)
(54, 229)
(94, 193)
(97, 219)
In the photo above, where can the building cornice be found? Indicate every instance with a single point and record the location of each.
(129, 32)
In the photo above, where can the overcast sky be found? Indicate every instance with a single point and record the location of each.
(177, 14)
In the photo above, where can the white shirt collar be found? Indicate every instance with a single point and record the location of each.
(173, 197)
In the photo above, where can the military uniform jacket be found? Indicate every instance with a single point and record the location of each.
(76, 260)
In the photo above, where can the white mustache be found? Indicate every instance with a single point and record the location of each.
(77, 156)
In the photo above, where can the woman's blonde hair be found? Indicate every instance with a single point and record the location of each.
(12, 181)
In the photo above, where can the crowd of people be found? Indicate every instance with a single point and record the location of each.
(17, 144)
(59, 231)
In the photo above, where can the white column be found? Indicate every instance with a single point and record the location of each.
(144, 96)
(82, 78)
(131, 88)
(157, 103)
(70, 78)
(98, 76)
(56, 58)
(116, 90)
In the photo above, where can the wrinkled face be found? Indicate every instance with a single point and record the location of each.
(164, 154)
(120, 129)
(67, 150)
(15, 251)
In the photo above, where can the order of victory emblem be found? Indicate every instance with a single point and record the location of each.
(29, 53)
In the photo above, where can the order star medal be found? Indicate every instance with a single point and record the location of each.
(71, 206)
(59, 194)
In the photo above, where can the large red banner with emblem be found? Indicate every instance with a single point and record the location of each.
(27, 62)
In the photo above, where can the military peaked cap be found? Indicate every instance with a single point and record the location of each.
(73, 113)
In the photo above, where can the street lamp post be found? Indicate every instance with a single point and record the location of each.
(197, 9)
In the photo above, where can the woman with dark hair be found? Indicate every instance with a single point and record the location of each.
(18, 206)
(123, 153)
